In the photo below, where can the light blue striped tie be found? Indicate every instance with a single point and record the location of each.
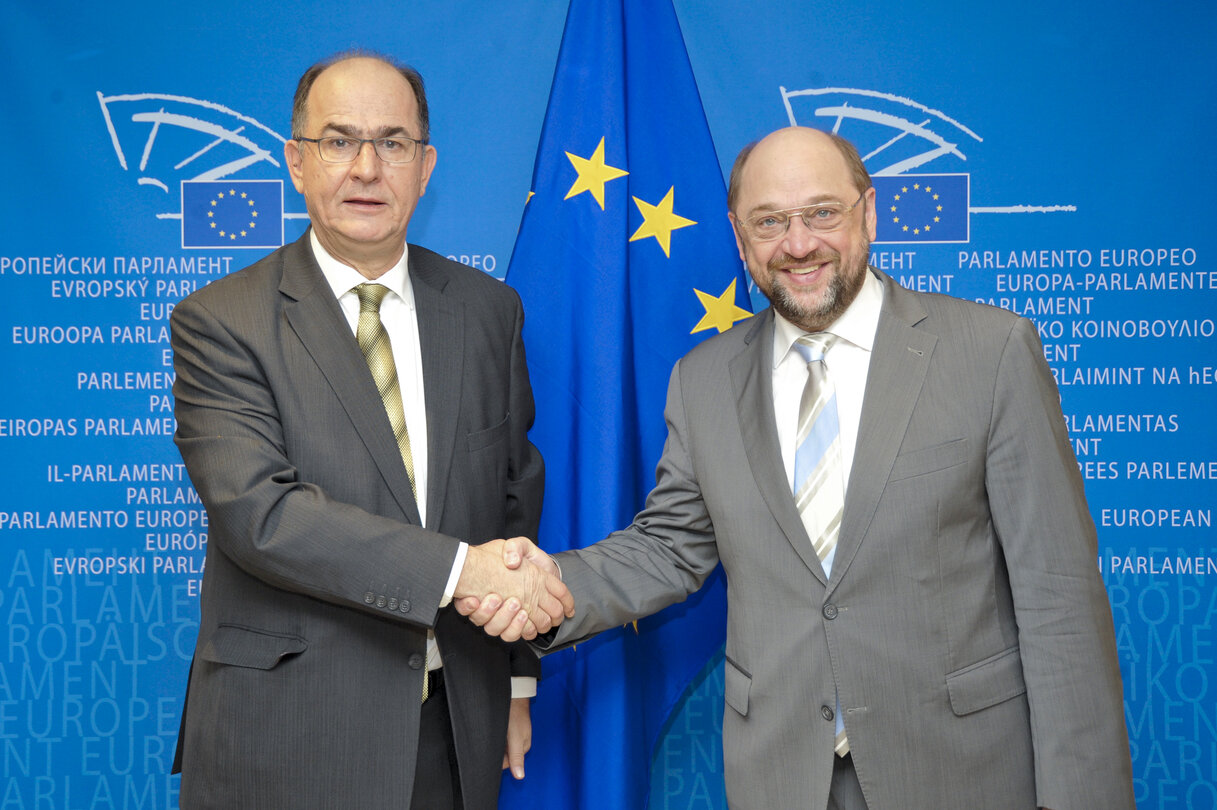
(819, 490)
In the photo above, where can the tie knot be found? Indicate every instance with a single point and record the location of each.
(813, 347)
(370, 296)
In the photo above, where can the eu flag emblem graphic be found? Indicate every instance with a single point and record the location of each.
(921, 208)
(232, 214)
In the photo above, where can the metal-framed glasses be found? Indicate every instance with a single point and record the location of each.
(344, 149)
(821, 217)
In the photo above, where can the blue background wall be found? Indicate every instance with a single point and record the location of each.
(1101, 112)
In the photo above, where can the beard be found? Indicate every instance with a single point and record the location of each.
(840, 292)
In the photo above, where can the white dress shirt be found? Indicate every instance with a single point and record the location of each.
(847, 362)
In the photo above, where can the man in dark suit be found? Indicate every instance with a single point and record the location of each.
(350, 440)
(918, 620)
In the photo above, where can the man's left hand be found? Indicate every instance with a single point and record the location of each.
(519, 736)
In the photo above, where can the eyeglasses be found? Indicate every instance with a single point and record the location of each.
(821, 217)
(342, 149)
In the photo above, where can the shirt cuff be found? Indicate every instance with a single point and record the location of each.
(523, 686)
(461, 551)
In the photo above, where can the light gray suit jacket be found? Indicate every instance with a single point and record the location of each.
(965, 626)
(320, 583)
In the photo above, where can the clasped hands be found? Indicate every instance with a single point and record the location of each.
(512, 589)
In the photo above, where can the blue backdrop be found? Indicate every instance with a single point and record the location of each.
(1068, 142)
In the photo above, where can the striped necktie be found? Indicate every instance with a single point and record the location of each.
(819, 489)
(374, 343)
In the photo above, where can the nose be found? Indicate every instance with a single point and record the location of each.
(366, 165)
(799, 240)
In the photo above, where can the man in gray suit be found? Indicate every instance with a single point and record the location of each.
(940, 637)
(349, 441)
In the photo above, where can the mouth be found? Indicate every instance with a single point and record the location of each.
(364, 203)
(800, 266)
(805, 272)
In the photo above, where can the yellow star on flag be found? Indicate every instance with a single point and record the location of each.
(593, 174)
(721, 311)
(659, 221)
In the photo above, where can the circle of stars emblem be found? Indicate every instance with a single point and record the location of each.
(916, 228)
(230, 213)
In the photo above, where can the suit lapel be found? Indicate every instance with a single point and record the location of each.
(441, 336)
(315, 317)
(752, 378)
(899, 362)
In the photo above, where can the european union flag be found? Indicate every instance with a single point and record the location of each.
(921, 208)
(625, 259)
(232, 214)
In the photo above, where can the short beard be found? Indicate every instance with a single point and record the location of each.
(811, 318)
(841, 291)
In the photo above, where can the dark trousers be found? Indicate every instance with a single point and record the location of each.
(437, 781)
(846, 791)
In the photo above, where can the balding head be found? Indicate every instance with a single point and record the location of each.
(412, 77)
(794, 136)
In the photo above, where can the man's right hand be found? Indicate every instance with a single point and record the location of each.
(504, 618)
(508, 598)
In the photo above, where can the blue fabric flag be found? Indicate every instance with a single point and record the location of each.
(625, 260)
(232, 213)
(921, 208)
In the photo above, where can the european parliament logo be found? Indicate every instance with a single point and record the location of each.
(898, 138)
(202, 148)
(228, 214)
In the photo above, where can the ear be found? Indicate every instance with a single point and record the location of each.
(872, 217)
(295, 163)
(429, 157)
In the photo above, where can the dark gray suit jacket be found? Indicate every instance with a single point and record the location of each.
(965, 626)
(320, 583)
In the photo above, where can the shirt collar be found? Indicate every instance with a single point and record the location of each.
(857, 324)
(342, 278)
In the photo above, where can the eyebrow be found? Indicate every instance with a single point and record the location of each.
(354, 132)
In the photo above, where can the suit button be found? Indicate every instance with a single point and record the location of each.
(827, 713)
(381, 601)
(830, 611)
(405, 606)
(415, 661)
(369, 597)
(392, 603)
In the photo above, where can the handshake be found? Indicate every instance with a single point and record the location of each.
(512, 589)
